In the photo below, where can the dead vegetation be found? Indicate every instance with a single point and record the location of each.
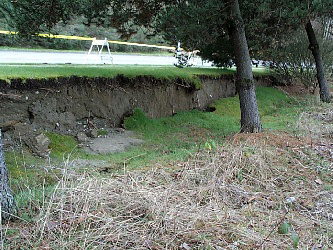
(234, 196)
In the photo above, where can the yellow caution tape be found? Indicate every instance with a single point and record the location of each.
(91, 39)
(7, 32)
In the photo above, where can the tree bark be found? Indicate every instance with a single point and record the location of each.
(8, 204)
(314, 47)
(250, 118)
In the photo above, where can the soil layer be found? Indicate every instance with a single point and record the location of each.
(72, 104)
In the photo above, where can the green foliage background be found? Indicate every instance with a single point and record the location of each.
(77, 26)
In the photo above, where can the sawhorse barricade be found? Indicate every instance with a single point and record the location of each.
(99, 44)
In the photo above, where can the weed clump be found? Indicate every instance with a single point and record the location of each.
(137, 120)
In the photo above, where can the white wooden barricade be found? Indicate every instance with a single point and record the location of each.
(99, 44)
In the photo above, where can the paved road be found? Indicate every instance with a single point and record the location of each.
(8, 56)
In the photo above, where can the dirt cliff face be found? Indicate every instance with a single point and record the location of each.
(67, 104)
(71, 104)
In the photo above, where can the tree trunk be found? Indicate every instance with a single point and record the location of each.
(8, 205)
(314, 47)
(250, 119)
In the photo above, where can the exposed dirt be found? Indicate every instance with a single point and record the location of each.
(117, 140)
(74, 104)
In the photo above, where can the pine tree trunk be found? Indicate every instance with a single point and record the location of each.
(314, 47)
(250, 119)
(8, 205)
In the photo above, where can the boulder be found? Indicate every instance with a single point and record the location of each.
(39, 145)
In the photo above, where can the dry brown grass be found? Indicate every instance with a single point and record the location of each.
(232, 197)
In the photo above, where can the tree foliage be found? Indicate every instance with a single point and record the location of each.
(298, 16)
(31, 16)
(268, 23)
(199, 25)
(126, 16)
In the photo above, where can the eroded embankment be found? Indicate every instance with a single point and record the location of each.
(72, 104)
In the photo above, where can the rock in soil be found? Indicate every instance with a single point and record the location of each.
(39, 145)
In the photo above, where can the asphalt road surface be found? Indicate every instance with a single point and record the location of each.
(13, 56)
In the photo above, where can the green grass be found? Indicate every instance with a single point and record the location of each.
(176, 137)
(52, 71)
(42, 71)
(61, 144)
(28, 175)
(275, 108)
(28, 172)
(102, 132)
(31, 200)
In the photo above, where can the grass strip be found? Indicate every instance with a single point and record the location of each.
(52, 71)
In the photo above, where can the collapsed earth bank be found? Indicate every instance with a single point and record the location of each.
(70, 105)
